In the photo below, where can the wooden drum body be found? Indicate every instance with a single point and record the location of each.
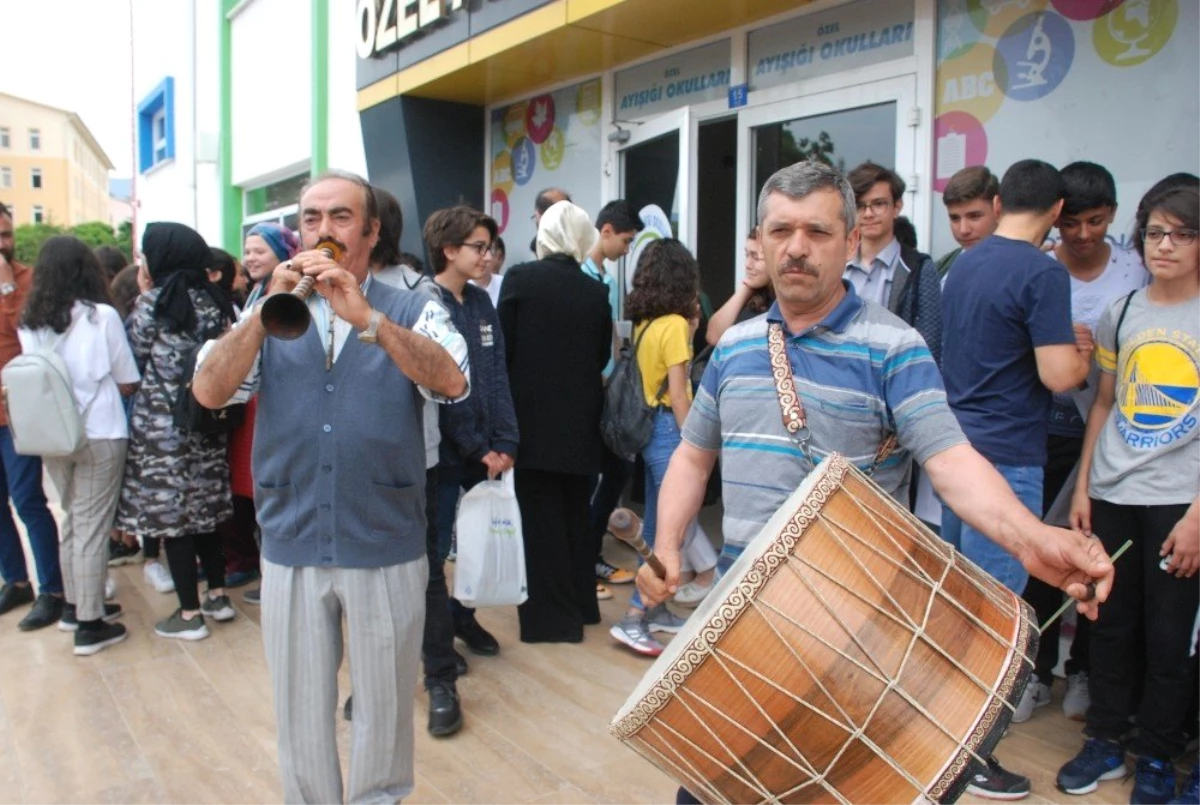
(849, 655)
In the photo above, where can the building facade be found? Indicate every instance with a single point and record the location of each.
(682, 107)
(52, 170)
(689, 106)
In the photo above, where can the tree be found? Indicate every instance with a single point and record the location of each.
(28, 240)
(30, 237)
(94, 233)
(125, 239)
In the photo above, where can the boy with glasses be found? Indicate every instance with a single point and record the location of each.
(899, 278)
(479, 435)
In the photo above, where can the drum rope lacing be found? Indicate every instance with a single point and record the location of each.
(791, 408)
(723, 658)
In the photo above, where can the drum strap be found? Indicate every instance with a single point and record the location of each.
(795, 422)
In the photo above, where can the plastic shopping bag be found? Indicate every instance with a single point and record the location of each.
(490, 568)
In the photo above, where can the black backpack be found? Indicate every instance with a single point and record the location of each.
(627, 421)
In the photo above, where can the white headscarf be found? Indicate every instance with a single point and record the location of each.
(565, 229)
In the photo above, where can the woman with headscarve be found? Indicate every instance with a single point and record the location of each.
(267, 245)
(558, 337)
(176, 484)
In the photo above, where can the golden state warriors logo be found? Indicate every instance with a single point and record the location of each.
(1157, 395)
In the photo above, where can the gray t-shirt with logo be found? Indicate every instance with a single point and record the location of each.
(1148, 453)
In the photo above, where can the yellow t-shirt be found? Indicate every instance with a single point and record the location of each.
(666, 343)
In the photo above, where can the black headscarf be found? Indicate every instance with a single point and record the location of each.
(178, 260)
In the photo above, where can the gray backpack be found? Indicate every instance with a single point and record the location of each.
(43, 416)
(627, 421)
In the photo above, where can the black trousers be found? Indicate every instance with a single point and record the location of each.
(237, 537)
(614, 476)
(560, 559)
(181, 558)
(437, 644)
(1145, 623)
(1062, 454)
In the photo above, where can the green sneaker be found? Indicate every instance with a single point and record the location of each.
(177, 628)
(219, 609)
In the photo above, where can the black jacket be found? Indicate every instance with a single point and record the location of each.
(558, 339)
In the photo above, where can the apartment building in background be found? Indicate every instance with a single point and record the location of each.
(52, 170)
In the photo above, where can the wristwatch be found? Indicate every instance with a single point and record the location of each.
(371, 334)
(7, 288)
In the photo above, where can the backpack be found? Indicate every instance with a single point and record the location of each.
(627, 421)
(186, 411)
(43, 416)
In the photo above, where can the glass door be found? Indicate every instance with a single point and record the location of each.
(844, 128)
(657, 171)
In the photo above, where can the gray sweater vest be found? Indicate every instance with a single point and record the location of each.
(339, 456)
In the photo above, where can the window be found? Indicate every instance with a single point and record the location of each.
(35, 139)
(35, 178)
(5, 139)
(39, 214)
(156, 126)
(6, 178)
(158, 133)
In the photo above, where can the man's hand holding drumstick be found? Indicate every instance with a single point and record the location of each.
(966, 481)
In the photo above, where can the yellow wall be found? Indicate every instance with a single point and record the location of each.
(74, 169)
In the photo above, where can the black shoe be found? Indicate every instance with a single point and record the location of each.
(445, 715)
(460, 665)
(348, 710)
(993, 781)
(478, 639)
(92, 641)
(15, 595)
(69, 622)
(121, 554)
(253, 596)
(47, 609)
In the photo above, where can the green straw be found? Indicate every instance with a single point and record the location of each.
(1071, 601)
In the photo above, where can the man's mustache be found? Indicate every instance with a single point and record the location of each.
(798, 265)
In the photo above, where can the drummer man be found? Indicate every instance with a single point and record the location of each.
(861, 374)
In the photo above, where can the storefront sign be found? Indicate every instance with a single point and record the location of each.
(385, 24)
(693, 76)
(843, 38)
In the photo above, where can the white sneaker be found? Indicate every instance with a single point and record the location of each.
(158, 577)
(110, 588)
(1078, 698)
(691, 594)
(1036, 695)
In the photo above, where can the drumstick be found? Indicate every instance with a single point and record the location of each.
(1091, 589)
(627, 527)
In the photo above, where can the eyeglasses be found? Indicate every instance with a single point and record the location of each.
(479, 246)
(1179, 237)
(879, 206)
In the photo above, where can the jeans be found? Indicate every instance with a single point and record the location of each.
(450, 481)
(22, 478)
(697, 553)
(437, 643)
(1141, 641)
(1062, 454)
(1026, 483)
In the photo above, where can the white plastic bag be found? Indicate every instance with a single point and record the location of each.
(490, 568)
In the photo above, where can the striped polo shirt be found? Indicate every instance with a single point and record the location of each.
(862, 373)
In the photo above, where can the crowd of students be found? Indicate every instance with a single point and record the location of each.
(1071, 363)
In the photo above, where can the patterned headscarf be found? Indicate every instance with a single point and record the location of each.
(565, 229)
(282, 240)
